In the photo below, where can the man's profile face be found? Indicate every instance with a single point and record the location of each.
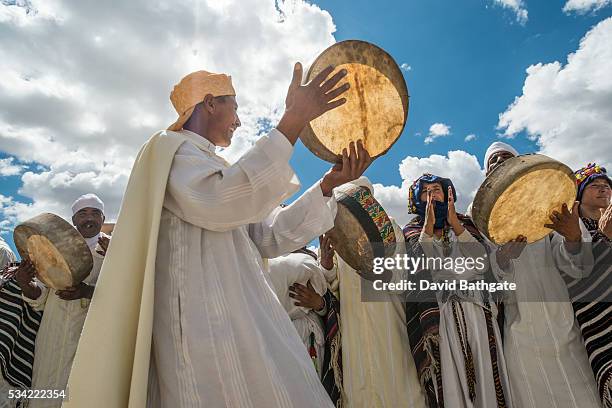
(597, 194)
(496, 159)
(225, 119)
(88, 221)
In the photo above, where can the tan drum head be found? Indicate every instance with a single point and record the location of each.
(57, 250)
(376, 109)
(519, 196)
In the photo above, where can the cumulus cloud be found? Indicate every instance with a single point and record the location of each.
(567, 108)
(584, 6)
(470, 137)
(8, 167)
(405, 67)
(461, 167)
(437, 130)
(518, 7)
(85, 83)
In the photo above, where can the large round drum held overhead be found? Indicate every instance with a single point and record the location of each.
(59, 253)
(519, 196)
(376, 107)
(362, 229)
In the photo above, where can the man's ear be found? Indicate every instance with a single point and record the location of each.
(208, 104)
(73, 222)
(103, 218)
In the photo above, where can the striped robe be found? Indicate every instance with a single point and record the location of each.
(595, 317)
(479, 377)
(19, 324)
(220, 336)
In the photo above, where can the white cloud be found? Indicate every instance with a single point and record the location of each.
(584, 6)
(470, 137)
(85, 83)
(437, 130)
(461, 167)
(567, 108)
(9, 168)
(405, 67)
(518, 7)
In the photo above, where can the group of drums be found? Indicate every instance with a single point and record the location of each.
(376, 112)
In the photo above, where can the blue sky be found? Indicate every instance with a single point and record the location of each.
(464, 62)
(468, 61)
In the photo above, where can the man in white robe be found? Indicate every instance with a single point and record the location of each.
(377, 366)
(546, 359)
(220, 338)
(64, 311)
(301, 267)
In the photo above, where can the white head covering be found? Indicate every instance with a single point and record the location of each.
(498, 147)
(87, 201)
(362, 181)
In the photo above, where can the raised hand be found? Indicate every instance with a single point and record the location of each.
(567, 223)
(354, 163)
(430, 215)
(452, 218)
(605, 222)
(25, 273)
(511, 250)
(307, 102)
(327, 252)
(25, 279)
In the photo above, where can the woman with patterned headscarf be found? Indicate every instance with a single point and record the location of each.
(454, 337)
(592, 296)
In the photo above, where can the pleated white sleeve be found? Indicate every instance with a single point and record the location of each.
(287, 229)
(579, 264)
(204, 191)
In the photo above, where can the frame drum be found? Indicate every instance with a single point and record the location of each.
(362, 229)
(57, 250)
(519, 196)
(376, 107)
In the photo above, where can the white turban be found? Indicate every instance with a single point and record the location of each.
(87, 201)
(498, 147)
(362, 181)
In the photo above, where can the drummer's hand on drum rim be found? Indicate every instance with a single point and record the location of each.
(307, 102)
(25, 273)
(567, 223)
(80, 291)
(354, 164)
(512, 249)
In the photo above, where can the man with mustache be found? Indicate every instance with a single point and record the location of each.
(546, 359)
(64, 311)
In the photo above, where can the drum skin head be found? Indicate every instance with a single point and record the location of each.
(519, 196)
(376, 107)
(57, 250)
